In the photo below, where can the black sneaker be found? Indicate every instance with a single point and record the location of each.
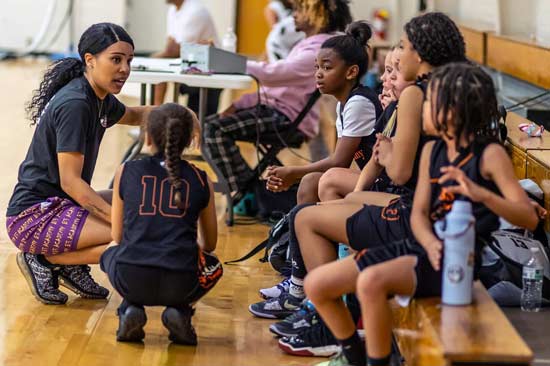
(277, 307)
(42, 279)
(130, 324)
(78, 279)
(178, 322)
(295, 324)
(314, 341)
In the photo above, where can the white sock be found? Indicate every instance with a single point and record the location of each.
(297, 287)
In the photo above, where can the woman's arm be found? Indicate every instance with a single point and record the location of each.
(135, 116)
(70, 175)
(399, 166)
(420, 214)
(281, 178)
(117, 211)
(514, 206)
(208, 223)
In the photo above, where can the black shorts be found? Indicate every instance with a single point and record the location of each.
(154, 286)
(428, 281)
(373, 226)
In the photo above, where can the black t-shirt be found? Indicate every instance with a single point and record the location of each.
(156, 232)
(73, 121)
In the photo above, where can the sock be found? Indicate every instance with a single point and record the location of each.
(354, 349)
(383, 361)
(297, 287)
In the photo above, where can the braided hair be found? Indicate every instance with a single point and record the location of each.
(94, 40)
(171, 129)
(328, 16)
(436, 38)
(352, 46)
(468, 93)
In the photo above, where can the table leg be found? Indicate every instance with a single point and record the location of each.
(221, 185)
(152, 96)
(203, 100)
(143, 95)
(176, 95)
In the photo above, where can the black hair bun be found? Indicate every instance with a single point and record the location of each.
(361, 31)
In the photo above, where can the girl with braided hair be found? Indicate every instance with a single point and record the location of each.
(159, 205)
(467, 163)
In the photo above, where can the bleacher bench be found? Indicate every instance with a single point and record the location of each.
(428, 333)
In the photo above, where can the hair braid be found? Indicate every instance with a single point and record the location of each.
(172, 152)
(170, 126)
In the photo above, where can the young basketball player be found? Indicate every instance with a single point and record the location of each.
(160, 203)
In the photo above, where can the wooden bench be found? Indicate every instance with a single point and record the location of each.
(530, 157)
(431, 334)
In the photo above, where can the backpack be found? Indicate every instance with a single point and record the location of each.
(502, 264)
(276, 246)
(274, 205)
(508, 251)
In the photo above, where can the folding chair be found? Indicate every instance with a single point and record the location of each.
(269, 145)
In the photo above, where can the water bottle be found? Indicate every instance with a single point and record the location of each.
(531, 292)
(457, 230)
(229, 41)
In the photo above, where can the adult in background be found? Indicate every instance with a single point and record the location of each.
(285, 89)
(188, 21)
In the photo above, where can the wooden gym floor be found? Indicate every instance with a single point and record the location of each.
(82, 332)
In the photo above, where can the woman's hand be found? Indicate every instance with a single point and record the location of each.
(464, 185)
(382, 150)
(279, 178)
(433, 248)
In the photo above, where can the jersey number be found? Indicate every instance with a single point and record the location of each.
(161, 197)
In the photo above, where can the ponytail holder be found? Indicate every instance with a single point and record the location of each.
(531, 129)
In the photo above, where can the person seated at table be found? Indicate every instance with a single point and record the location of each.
(285, 89)
(283, 35)
(188, 21)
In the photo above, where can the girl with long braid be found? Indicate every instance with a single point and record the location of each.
(157, 203)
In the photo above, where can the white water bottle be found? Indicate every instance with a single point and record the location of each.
(229, 41)
(531, 292)
(457, 230)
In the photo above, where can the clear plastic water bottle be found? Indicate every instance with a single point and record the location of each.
(532, 283)
(229, 41)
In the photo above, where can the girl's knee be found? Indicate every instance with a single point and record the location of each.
(370, 284)
(328, 183)
(313, 286)
(307, 191)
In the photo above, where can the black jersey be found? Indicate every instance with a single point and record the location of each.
(74, 120)
(364, 150)
(156, 232)
(383, 182)
(468, 161)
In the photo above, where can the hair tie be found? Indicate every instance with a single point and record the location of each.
(531, 129)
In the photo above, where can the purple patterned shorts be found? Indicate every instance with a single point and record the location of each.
(51, 227)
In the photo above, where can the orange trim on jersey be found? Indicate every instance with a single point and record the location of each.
(171, 199)
(144, 191)
(198, 174)
(465, 160)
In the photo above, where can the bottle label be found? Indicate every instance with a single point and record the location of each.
(532, 273)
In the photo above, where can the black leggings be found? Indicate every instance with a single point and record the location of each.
(154, 286)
